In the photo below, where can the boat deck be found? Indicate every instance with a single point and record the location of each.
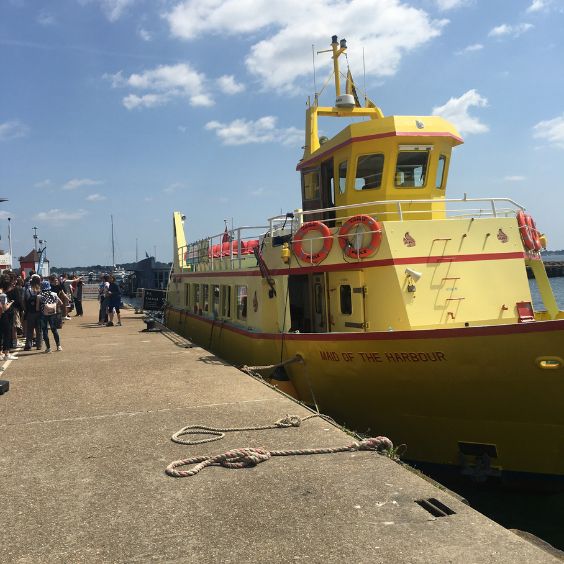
(85, 438)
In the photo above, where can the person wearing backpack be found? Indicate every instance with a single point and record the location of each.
(32, 316)
(5, 321)
(47, 306)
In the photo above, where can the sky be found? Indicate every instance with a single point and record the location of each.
(137, 108)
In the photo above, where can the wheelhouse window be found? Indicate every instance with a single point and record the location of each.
(369, 170)
(345, 294)
(411, 168)
(241, 302)
(206, 297)
(187, 295)
(342, 177)
(441, 166)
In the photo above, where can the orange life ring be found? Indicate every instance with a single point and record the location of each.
(372, 225)
(525, 230)
(297, 243)
(535, 235)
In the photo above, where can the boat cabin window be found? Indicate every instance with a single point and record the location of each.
(197, 298)
(215, 300)
(311, 186)
(226, 301)
(241, 302)
(411, 169)
(342, 177)
(187, 295)
(206, 297)
(369, 170)
(439, 182)
(346, 299)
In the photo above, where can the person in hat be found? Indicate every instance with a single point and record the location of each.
(47, 306)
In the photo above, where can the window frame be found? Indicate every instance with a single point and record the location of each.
(356, 177)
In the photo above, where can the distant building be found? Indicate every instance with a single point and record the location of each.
(31, 262)
(147, 273)
(5, 260)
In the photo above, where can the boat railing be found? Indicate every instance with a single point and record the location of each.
(228, 250)
(400, 210)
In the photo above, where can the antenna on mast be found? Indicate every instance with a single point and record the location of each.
(314, 78)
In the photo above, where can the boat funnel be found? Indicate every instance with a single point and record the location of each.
(345, 101)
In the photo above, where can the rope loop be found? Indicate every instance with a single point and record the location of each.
(289, 421)
(376, 443)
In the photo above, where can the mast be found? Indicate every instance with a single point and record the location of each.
(113, 246)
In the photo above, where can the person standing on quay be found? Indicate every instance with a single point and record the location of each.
(47, 305)
(104, 299)
(32, 316)
(76, 286)
(5, 322)
(114, 302)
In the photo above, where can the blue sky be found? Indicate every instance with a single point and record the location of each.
(137, 108)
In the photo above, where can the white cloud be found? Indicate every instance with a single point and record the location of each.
(282, 58)
(505, 30)
(162, 85)
(78, 182)
(113, 9)
(44, 18)
(514, 178)
(228, 85)
(539, 6)
(171, 188)
(552, 131)
(263, 130)
(95, 198)
(57, 215)
(12, 130)
(470, 49)
(144, 34)
(451, 4)
(43, 184)
(456, 111)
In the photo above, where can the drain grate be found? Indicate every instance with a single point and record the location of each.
(435, 507)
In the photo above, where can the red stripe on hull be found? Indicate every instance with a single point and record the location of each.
(413, 334)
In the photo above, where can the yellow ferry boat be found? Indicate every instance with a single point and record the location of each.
(409, 313)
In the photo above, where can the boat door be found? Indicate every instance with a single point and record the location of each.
(346, 301)
(319, 303)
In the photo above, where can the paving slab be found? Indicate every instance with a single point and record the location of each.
(85, 438)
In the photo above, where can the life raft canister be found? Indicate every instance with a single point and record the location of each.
(528, 230)
(298, 246)
(372, 227)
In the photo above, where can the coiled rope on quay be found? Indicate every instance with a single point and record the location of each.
(248, 457)
(219, 432)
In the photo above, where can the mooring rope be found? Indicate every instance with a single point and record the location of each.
(247, 457)
(219, 432)
(297, 358)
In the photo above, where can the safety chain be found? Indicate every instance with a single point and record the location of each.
(218, 432)
(246, 457)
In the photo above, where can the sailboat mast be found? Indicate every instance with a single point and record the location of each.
(113, 246)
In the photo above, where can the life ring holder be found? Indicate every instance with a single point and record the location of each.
(525, 222)
(372, 225)
(298, 247)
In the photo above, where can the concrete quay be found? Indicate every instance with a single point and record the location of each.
(85, 438)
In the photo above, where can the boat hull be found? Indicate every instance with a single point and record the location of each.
(488, 399)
